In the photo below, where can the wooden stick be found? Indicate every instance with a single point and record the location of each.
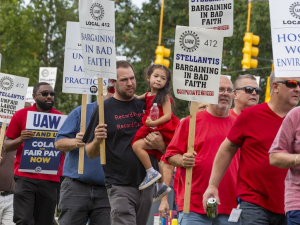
(191, 142)
(3, 129)
(101, 119)
(82, 129)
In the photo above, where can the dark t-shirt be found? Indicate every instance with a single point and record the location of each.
(123, 119)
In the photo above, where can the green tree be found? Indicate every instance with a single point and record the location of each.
(20, 42)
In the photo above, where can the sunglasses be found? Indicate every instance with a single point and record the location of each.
(250, 90)
(46, 93)
(111, 89)
(290, 83)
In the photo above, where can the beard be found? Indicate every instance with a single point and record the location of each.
(124, 94)
(43, 105)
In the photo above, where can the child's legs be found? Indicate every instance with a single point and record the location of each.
(139, 149)
(161, 180)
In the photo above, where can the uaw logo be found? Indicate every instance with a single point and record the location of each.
(6, 83)
(93, 89)
(295, 12)
(38, 169)
(45, 73)
(97, 11)
(189, 41)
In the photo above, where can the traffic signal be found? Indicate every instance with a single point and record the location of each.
(162, 52)
(249, 40)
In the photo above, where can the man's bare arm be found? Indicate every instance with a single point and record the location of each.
(12, 144)
(186, 160)
(156, 141)
(93, 148)
(69, 144)
(284, 160)
(221, 163)
(168, 171)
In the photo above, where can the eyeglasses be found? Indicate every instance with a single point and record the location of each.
(110, 89)
(222, 90)
(250, 90)
(290, 83)
(46, 93)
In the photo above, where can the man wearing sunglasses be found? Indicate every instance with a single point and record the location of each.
(35, 195)
(246, 93)
(83, 197)
(260, 185)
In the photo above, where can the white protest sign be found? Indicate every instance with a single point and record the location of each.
(217, 15)
(97, 33)
(29, 97)
(197, 64)
(12, 95)
(74, 79)
(285, 28)
(48, 75)
(39, 154)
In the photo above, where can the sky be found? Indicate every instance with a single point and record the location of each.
(138, 3)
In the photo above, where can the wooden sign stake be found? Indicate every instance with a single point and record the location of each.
(3, 129)
(101, 119)
(191, 141)
(82, 129)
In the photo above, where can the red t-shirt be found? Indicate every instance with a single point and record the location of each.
(16, 125)
(231, 112)
(258, 182)
(209, 134)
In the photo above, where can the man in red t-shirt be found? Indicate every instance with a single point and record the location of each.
(35, 194)
(168, 171)
(246, 93)
(212, 126)
(260, 185)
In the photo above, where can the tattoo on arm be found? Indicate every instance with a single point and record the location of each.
(234, 145)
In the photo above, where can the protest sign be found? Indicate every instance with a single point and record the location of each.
(285, 28)
(217, 15)
(29, 97)
(196, 77)
(39, 154)
(97, 33)
(197, 64)
(74, 79)
(48, 75)
(12, 95)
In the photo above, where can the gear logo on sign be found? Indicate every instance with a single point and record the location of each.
(38, 169)
(93, 89)
(189, 41)
(295, 10)
(45, 73)
(97, 11)
(6, 83)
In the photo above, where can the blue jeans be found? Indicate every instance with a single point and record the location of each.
(253, 214)
(202, 219)
(293, 217)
